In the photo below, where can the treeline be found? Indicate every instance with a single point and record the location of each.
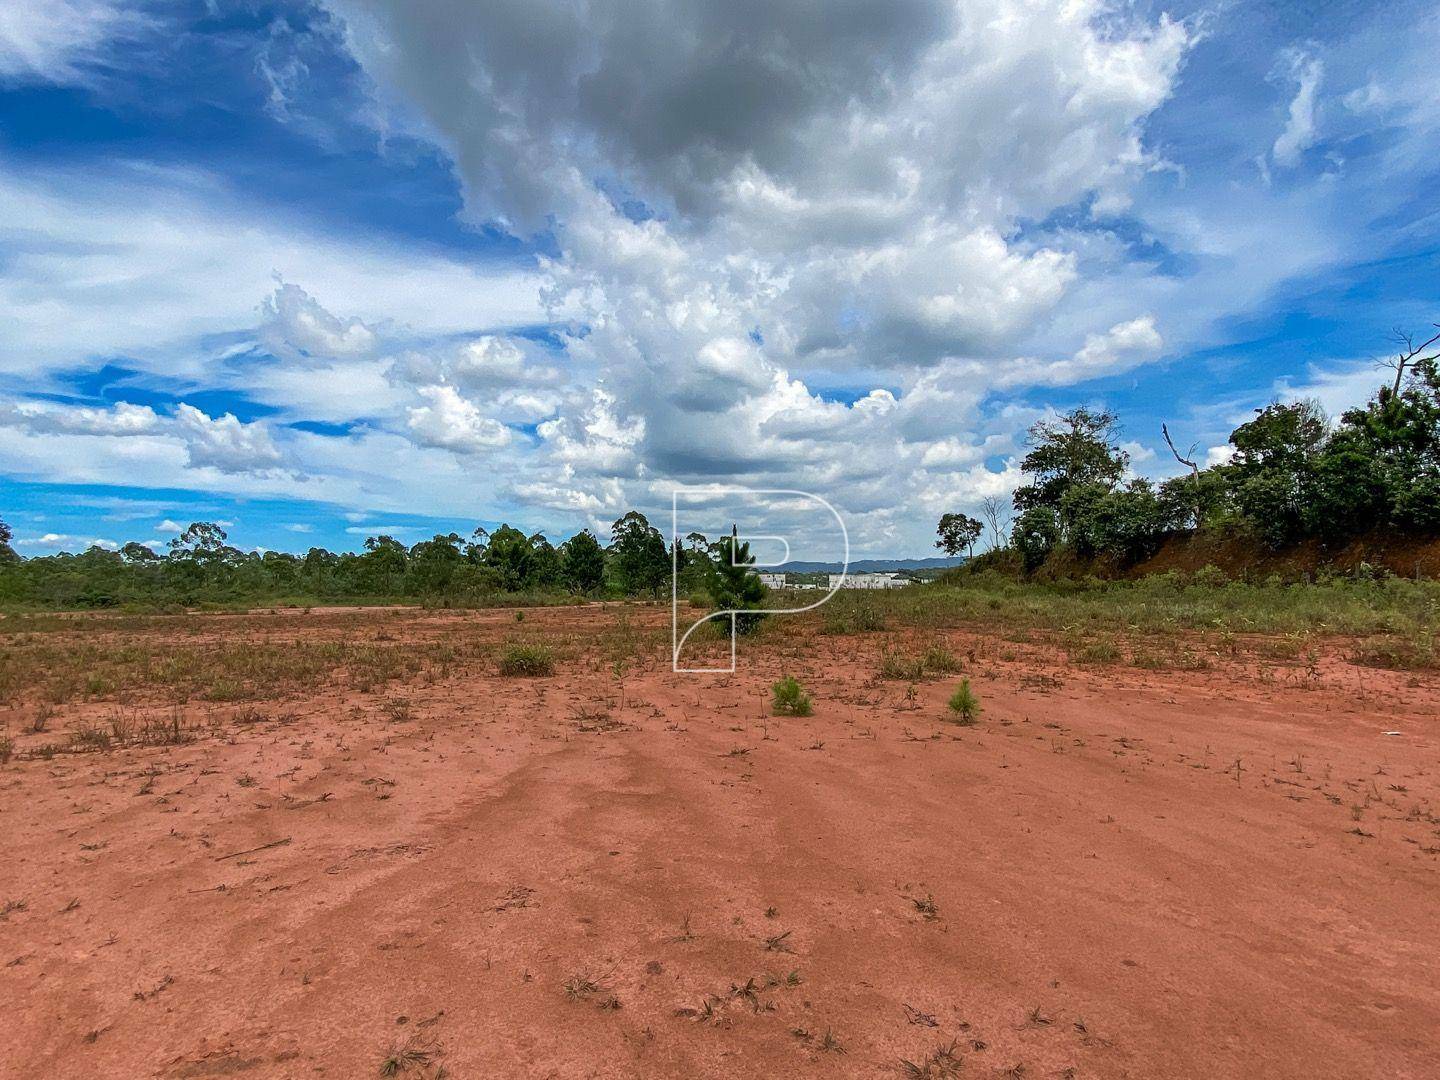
(202, 567)
(1291, 476)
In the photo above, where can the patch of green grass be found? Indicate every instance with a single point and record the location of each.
(939, 660)
(1103, 651)
(1396, 653)
(1403, 607)
(934, 662)
(896, 665)
(850, 615)
(186, 658)
(788, 698)
(225, 689)
(527, 660)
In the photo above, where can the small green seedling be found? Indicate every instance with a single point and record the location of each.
(964, 704)
(788, 698)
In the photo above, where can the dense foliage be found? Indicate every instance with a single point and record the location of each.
(202, 567)
(1291, 476)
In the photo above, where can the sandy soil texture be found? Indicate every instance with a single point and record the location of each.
(616, 871)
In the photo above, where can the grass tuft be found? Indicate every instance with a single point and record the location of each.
(788, 698)
(527, 661)
(410, 1055)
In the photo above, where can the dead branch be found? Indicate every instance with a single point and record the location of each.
(251, 851)
(1409, 355)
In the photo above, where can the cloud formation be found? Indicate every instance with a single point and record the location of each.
(59, 41)
(850, 247)
(747, 196)
(1300, 131)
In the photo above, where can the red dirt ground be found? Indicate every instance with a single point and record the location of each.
(1112, 895)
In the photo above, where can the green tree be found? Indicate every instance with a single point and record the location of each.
(734, 585)
(1077, 448)
(1382, 464)
(1074, 465)
(282, 570)
(545, 572)
(1272, 471)
(7, 553)
(475, 546)
(958, 532)
(1201, 499)
(1126, 524)
(432, 565)
(135, 552)
(512, 556)
(317, 569)
(695, 559)
(1035, 533)
(641, 559)
(203, 542)
(382, 566)
(582, 563)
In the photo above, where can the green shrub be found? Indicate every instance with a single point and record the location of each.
(1103, 651)
(529, 661)
(939, 660)
(788, 698)
(896, 665)
(1211, 577)
(852, 617)
(934, 661)
(1396, 653)
(964, 704)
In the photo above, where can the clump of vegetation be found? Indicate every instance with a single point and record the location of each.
(527, 660)
(896, 665)
(1292, 476)
(935, 661)
(939, 660)
(943, 1062)
(1397, 653)
(788, 698)
(733, 584)
(412, 1055)
(964, 704)
(1404, 608)
(486, 569)
(852, 615)
(1103, 651)
(926, 906)
(582, 985)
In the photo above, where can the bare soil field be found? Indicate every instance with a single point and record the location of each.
(343, 844)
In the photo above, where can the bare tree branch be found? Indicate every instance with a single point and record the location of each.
(992, 506)
(1409, 355)
(1194, 469)
(1170, 443)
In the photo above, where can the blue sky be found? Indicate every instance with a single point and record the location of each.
(321, 270)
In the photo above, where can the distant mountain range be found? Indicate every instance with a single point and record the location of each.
(864, 566)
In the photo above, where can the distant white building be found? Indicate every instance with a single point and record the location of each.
(867, 581)
(773, 581)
